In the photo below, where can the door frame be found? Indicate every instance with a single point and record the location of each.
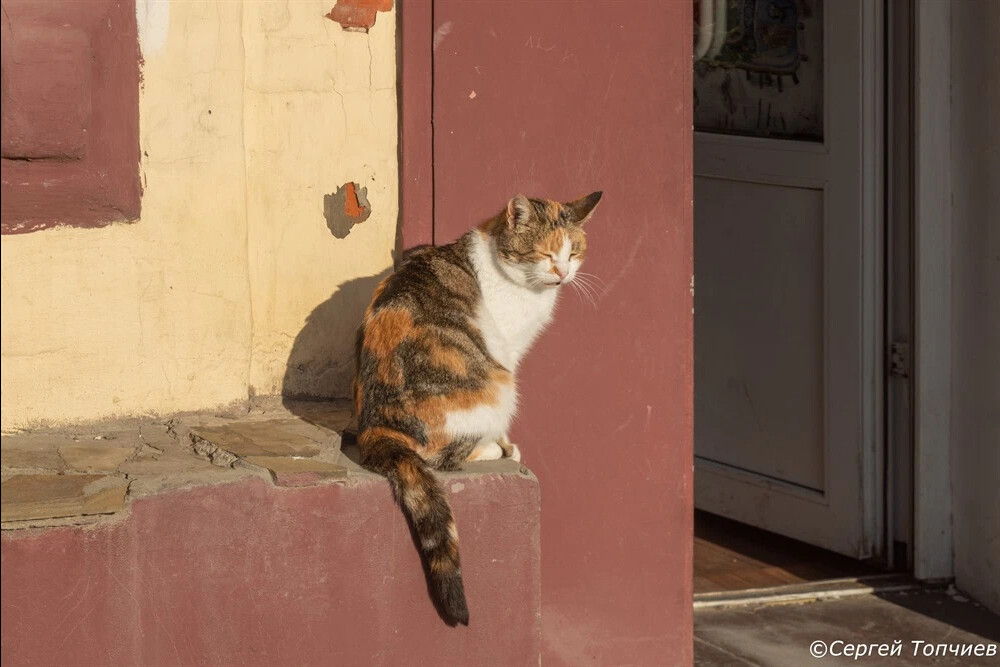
(414, 92)
(932, 533)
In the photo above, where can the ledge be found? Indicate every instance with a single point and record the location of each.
(72, 476)
(290, 555)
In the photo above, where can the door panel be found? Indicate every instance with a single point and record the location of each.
(787, 300)
(760, 411)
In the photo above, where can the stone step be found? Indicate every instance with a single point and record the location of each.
(44, 472)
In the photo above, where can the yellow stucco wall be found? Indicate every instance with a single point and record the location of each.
(250, 113)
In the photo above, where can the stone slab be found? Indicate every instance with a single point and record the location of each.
(288, 471)
(26, 497)
(334, 420)
(31, 458)
(273, 437)
(94, 457)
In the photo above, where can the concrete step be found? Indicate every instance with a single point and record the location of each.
(922, 626)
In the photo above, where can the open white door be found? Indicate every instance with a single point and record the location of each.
(788, 192)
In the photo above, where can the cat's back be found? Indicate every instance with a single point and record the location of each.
(419, 341)
(431, 280)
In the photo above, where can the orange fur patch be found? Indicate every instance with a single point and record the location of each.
(385, 330)
(357, 397)
(441, 564)
(446, 357)
(409, 474)
(375, 295)
(578, 241)
(552, 209)
(433, 411)
(415, 493)
(552, 243)
(369, 436)
(492, 225)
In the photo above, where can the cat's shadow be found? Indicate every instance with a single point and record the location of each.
(320, 364)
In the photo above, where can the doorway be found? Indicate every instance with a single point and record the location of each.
(792, 239)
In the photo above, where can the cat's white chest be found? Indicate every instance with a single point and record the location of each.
(510, 316)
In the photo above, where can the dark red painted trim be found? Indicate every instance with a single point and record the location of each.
(70, 114)
(416, 141)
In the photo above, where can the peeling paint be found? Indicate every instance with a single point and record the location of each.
(345, 207)
(357, 15)
(153, 19)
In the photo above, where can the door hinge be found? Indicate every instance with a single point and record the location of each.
(899, 359)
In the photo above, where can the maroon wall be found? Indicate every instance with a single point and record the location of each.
(250, 574)
(557, 99)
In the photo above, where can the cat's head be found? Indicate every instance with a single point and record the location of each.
(540, 242)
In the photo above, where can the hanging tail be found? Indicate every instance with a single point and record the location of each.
(423, 500)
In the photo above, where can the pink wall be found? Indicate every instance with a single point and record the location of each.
(557, 99)
(250, 574)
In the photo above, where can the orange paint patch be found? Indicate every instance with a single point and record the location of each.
(352, 206)
(357, 15)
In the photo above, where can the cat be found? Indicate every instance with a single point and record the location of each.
(436, 357)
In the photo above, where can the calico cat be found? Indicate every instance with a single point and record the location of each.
(436, 357)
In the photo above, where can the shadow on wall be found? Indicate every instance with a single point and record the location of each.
(317, 366)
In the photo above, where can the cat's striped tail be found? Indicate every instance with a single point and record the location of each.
(423, 500)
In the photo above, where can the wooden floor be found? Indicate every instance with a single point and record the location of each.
(731, 556)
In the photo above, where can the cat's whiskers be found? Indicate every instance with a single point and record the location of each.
(583, 293)
(586, 289)
(594, 281)
(590, 275)
(585, 283)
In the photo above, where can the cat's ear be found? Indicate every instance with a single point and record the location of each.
(584, 206)
(518, 211)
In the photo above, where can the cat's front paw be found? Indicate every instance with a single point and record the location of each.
(511, 451)
(486, 451)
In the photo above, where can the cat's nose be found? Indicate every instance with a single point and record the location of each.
(560, 271)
